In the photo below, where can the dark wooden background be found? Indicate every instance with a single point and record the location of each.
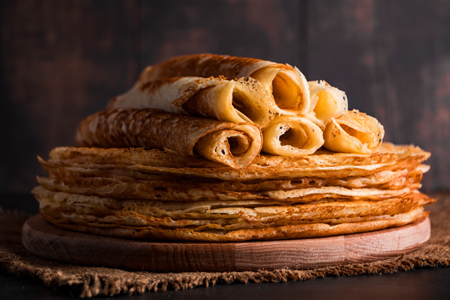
(62, 60)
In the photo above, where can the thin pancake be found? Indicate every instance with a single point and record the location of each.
(353, 132)
(292, 136)
(251, 212)
(131, 219)
(326, 102)
(236, 145)
(287, 85)
(109, 187)
(396, 179)
(224, 100)
(387, 153)
(211, 235)
(322, 165)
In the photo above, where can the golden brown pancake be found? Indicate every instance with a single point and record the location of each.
(221, 148)
(292, 136)
(235, 145)
(353, 132)
(234, 101)
(286, 84)
(326, 102)
(116, 192)
(210, 232)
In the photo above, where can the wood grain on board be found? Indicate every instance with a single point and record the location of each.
(62, 60)
(49, 242)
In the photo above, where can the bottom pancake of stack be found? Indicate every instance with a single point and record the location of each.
(155, 195)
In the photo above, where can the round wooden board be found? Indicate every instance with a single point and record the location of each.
(50, 242)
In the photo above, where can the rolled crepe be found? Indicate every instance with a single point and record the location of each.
(292, 136)
(225, 100)
(353, 132)
(286, 84)
(326, 102)
(235, 145)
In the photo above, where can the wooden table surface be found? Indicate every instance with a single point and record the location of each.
(415, 284)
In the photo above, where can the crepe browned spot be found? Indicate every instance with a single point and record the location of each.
(236, 145)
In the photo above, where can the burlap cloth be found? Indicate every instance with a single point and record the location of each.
(93, 281)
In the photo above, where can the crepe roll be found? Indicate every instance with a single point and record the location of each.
(234, 101)
(286, 84)
(292, 136)
(326, 101)
(353, 132)
(235, 145)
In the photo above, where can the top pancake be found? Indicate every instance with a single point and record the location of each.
(323, 164)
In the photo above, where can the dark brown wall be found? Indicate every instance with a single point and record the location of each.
(62, 60)
(393, 60)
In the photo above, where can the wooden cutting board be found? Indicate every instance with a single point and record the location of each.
(49, 242)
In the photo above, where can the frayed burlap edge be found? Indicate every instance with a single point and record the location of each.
(95, 281)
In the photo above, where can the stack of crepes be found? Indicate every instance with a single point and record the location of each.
(219, 148)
